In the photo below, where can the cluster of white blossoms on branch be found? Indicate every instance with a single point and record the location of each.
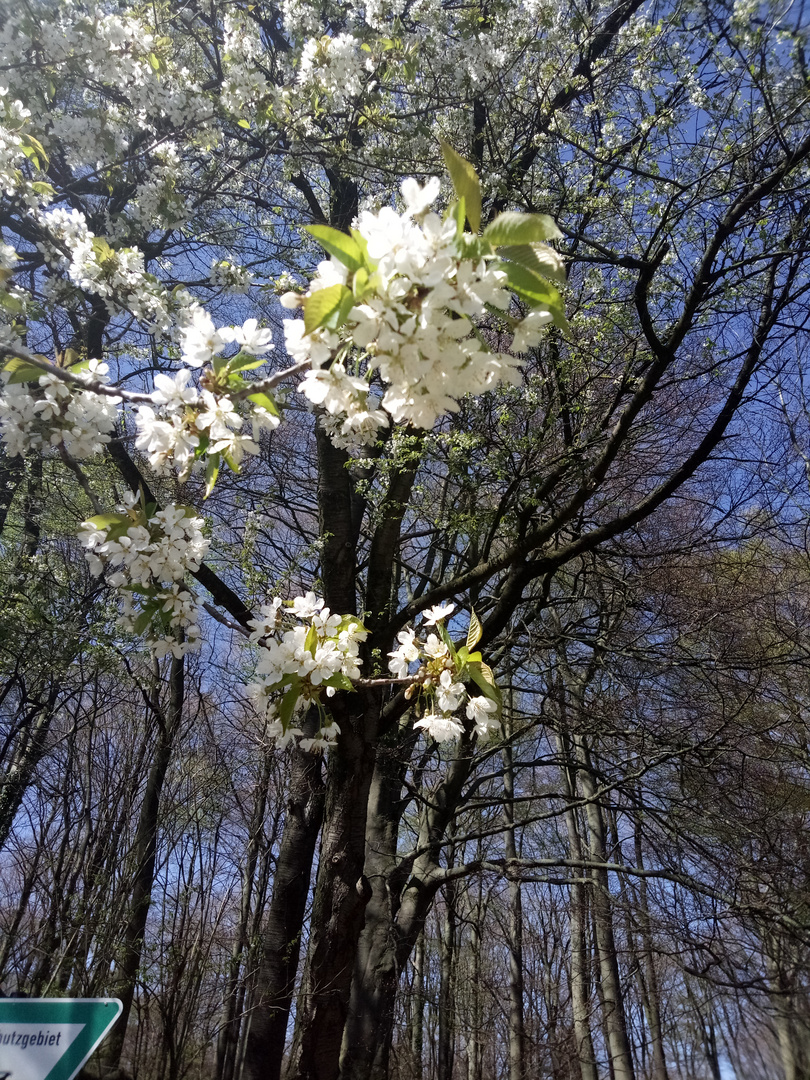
(403, 297)
(440, 676)
(151, 551)
(306, 654)
(189, 422)
(49, 412)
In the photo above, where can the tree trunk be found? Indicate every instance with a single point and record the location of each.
(602, 911)
(517, 1065)
(144, 853)
(228, 1041)
(578, 921)
(447, 973)
(274, 987)
(341, 894)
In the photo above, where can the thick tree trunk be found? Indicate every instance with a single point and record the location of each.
(341, 894)
(401, 896)
(274, 985)
(369, 1027)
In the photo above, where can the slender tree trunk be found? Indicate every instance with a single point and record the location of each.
(418, 1006)
(475, 1040)
(228, 1041)
(517, 1064)
(578, 921)
(602, 911)
(274, 985)
(144, 854)
(652, 994)
(447, 973)
(30, 748)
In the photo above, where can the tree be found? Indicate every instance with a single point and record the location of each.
(156, 158)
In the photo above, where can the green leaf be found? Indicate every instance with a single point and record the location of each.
(244, 124)
(115, 532)
(288, 703)
(12, 304)
(445, 636)
(102, 249)
(466, 184)
(360, 282)
(482, 676)
(344, 248)
(539, 258)
(21, 372)
(244, 361)
(339, 681)
(264, 401)
(362, 243)
(474, 632)
(474, 247)
(154, 62)
(513, 228)
(536, 291)
(34, 150)
(327, 307)
(143, 620)
(211, 473)
(104, 521)
(219, 363)
(311, 641)
(457, 211)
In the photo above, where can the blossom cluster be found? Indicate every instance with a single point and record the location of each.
(49, 412)
(151, 552)
(441, 669)
(334, 66)
(305, 654)
(415, 322)
(186, 420)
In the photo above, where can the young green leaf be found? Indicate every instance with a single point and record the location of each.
(143, 620)
(466, 184)
(475, 631)
(539, 258)
(339, 681)
(537, 291)
(327, 307)
(344, 248)
(104, 521)
(21, 372)
(244, 362)
(211, 473)
(288, 703)
(513, 228)
(264, 401)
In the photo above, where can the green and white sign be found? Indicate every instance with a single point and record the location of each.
(51, 1038)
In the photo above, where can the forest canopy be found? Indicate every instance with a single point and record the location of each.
(403, 545)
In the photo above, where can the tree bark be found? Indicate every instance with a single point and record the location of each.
(228, 1040)
(274, 986)
(144, 853)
